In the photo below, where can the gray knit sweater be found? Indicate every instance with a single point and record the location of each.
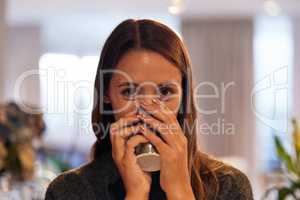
(100, 180)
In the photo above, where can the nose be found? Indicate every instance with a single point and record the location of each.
(146, 93)
(147, 98)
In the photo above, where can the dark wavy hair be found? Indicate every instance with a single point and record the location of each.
(154, 36)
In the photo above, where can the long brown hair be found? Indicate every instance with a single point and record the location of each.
(157, 37)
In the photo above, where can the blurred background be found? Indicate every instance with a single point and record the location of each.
(245, 55)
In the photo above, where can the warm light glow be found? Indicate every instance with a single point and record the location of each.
(176, 7)
(174, 10)
(272, 8)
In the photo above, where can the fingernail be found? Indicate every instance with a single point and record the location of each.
(155, 101)
(143, 115)
(142, 130)
(145, 103)
(113, 129)
(144, 107)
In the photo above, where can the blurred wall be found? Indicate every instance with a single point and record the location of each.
(23, 50)
(2, 40)
(222, 60)
(296, 73)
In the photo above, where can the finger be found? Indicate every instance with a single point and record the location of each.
(132, 143)
(171, 118)
(124, 122)
(161, 146)
(121, 123)
(125, 132)
(118, 140)
(162, 128)
(159, 111)
(118, 147)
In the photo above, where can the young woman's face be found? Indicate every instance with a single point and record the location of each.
(142, 75)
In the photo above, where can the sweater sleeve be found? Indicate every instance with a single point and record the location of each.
(235, 186)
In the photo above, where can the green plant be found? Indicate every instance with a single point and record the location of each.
(291, 163)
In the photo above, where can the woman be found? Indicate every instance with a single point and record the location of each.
(144, 65)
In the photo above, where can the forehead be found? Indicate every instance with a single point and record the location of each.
(144, 65)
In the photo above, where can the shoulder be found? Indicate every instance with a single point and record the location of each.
(223, 181)
(233, 184)
(69, 185)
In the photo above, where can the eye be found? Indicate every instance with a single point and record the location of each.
(129, 92)
(165, 92)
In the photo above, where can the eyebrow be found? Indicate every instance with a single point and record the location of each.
(135, 84)
(127, 84)
(167, 83)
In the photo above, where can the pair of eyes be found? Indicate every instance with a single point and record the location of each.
(164, 92)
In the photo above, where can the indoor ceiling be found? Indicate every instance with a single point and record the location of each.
(35, 10)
